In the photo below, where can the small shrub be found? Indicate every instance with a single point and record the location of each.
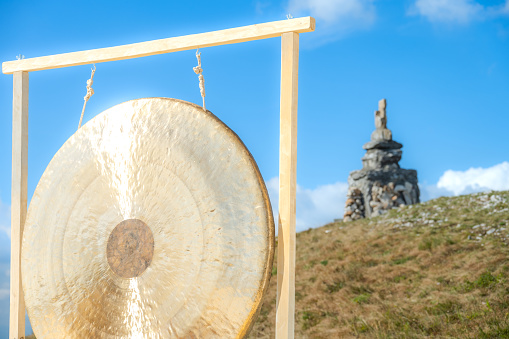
(428, 244)
(298, 296)
(486, 280)
(450, 241)
(361, 289)
(445, 307)
(354, 273)
(362, 327)
(465, 287)
(371, 263)
(444, 281)
(310, 319)
(425, 245)
(362, 298)
(500, 331)
(423, 294)
(399, 278)
(311, 264)
(334, 287)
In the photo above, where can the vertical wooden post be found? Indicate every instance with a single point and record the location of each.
(285, 303)
(18, 200)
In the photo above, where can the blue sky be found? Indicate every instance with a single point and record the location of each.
(442, 65)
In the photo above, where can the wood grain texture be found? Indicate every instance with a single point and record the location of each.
(285, 302)
(222, 37)
(18, 199)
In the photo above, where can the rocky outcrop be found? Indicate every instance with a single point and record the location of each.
(354, 208)
(381, 184)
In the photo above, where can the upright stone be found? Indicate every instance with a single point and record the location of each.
(381, 184)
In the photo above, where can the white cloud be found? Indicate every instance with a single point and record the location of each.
(4, 293)
(469, 181)
(335, 17)
(456, 11)
(321, 205)
(498, 11)
(476, 179)
(315, 207)
(429, 192)
(331, 11)
(461, 11)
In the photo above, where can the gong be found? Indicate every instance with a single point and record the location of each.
(151, 221)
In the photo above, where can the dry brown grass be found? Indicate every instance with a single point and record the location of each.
(434, 270)
(379, 279)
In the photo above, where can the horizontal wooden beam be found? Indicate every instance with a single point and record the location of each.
(182, 43)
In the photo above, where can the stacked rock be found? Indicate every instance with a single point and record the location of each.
(354, 208)
(382, 183)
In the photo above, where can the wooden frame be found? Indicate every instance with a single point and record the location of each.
(18, 199)
(288, 30)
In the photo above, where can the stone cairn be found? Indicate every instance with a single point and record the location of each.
(381, 184)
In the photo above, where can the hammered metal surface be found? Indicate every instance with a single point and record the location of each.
(188, 178)
(130, 248)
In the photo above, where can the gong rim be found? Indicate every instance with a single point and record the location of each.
(73, 141)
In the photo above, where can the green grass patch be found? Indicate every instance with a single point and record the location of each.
(400, 261)
(334, 287)
(310, 319)
(362, 298)
(399, 278)
(487, 280)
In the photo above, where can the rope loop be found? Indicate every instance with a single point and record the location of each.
(198, 70)
(90, 92)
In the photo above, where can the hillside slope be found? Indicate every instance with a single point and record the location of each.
(438, 269)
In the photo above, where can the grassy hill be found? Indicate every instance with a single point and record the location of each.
(439, 269)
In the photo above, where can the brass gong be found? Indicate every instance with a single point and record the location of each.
(151, 221)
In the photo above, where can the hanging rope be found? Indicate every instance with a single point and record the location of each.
(90, 92)
(198, 70)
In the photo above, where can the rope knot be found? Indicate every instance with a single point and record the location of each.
(198, 70)
(90, 92)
